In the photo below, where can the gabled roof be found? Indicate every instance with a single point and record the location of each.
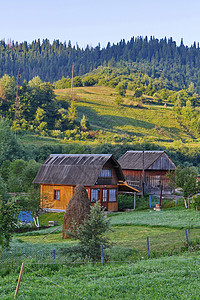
(74, 169)
(152, 160)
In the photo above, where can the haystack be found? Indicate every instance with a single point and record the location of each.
(77, 210)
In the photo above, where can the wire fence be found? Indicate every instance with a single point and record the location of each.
(130, 250)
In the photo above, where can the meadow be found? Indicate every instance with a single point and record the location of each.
(129, 123)
(171, 271)
(152, 122)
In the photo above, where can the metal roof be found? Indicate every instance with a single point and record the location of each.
(152, 160)
(74, 169)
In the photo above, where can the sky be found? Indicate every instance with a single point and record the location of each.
(91, 22)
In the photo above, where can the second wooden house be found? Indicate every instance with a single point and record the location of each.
(100, 174)
(147, 171)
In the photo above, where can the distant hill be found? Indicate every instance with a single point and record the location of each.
(180, 65)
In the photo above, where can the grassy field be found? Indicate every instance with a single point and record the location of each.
(172, 270)
(175, 277)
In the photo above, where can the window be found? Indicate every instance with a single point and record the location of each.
(105, 173)
(56, 194)
(112, 195)
(104, 195)
(94, 195)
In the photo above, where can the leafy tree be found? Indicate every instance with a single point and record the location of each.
(15, 179)
(9, 147)
(3, 189)
(88, 81)
(21, 175)
(29, 173)
(121, 89)
(8, 220)
(186, 179)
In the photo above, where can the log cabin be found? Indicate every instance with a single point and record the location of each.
(100, 174)
(147, 171)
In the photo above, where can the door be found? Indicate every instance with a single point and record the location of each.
(104, 202)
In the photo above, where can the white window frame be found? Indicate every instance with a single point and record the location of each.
(94, 195)
(105, 173)
(112, 195)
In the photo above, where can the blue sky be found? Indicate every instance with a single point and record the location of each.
(93, 22)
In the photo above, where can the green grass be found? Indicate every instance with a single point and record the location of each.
(174, 277)
(172, 218)
(165, 275)
(152, 122)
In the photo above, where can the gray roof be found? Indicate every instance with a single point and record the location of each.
(73, 169)
(153, 160)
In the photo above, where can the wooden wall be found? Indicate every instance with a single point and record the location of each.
(152, 181)
(66, 192)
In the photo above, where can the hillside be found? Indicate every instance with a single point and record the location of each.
(130, 122)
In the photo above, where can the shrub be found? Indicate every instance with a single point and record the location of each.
(91, 235)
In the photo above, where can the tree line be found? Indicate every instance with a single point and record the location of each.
(52, 61)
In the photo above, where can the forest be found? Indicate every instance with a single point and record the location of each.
(156, 57)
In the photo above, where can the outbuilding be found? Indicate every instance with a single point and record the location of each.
(100, 174)
(147, 171)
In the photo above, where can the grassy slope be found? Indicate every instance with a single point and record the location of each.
(154, 123)
(121, 124)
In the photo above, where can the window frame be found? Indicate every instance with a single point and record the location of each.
(56, 195)
(105, 173)
(94, 195)
(110, 195)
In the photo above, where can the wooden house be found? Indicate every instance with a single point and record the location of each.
(100, 174)
(147, 171)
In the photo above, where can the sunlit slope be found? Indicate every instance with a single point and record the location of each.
(129, 121)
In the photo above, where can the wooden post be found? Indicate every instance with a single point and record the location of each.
(148, 247)
(19, 280)
(186, 233)
(134, 205)
(143, 171)
(161, 188)
(54, 254)
(102, 256)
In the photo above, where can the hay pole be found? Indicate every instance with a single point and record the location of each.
(51, 232)
(19, 280)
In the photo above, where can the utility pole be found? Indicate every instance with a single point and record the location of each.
(143, 171)
(17, 99)
(72, 77)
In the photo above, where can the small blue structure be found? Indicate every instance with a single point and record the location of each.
(25, 216)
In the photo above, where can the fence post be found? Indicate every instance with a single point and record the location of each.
(54, 254)
(186, 233)
(102, 256)
(149, 201)
(134, 206)
(19, 280)
(148, 247)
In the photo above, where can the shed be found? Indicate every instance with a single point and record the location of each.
(148, 169)
(100, 174)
